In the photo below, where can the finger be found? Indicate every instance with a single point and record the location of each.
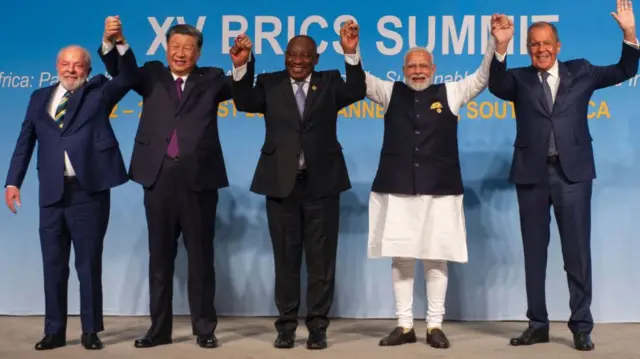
(10, 204)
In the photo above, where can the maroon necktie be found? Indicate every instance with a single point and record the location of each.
(172, 149)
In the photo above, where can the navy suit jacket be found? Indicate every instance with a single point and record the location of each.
(87, 136)
(578, 80)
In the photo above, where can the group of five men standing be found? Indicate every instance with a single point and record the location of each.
(416, 210)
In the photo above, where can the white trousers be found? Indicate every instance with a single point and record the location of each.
(436, 276)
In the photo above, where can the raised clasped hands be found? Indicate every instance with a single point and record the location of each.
(501, 28)
(241, 50)
(112, 28)
(349, 36)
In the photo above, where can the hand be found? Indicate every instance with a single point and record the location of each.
(349, 36)
(11, 195)
(112, 28)
(241, 50)
(624, 17)
(501, 29)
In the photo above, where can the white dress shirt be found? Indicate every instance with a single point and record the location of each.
(58, 93)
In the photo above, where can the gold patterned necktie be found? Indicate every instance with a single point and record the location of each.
(61, 110)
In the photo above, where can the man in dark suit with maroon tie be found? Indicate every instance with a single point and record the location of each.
(177, 158)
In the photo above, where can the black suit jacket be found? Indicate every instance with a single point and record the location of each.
(287, 134)
(195, 119)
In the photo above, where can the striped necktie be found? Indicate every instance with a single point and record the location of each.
(61, 110)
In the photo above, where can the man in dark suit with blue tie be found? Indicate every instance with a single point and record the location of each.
(553, 162)
(79, 161)
(177, 158)
(301, 171)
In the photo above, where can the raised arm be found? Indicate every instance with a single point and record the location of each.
(378, 90)
(226, 89)
(501, 81)
(463, 91)
(627, 66)
(247, 98)
(120, 85)
(114, 60)
(354, 88)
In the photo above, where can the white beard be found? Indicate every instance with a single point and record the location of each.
(418, 87)
(75, 84)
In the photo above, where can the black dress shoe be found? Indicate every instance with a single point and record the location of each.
(582, 341)
(51, 342)
(285, 341)
(91, 341)
(398, 337)
(317, 340)
(208, 342)
(531, 336)
(148, 343)
(437, 339)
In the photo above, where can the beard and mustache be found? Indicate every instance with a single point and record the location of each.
(418, 82)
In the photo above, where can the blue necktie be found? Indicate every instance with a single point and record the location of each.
(547, 93)
(301, 98)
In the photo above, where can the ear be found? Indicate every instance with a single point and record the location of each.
(315, 61)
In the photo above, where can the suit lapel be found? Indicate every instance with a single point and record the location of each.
(536, 86)
(312, 93)
(286, 88)
(170, 85)
(563, 87)
(192, 82)
(75, 100)
(47, 98)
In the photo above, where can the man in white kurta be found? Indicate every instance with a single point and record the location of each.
(415, 207)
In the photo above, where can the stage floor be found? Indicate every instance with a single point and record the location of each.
(352, 339)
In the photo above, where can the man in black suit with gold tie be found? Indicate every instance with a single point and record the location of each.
(177, 158)
(301, 172)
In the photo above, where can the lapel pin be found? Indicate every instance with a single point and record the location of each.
(314, 87)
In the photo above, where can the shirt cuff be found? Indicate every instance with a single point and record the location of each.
(500, 57)
(632, 43)
(353, 59)
(239, 72)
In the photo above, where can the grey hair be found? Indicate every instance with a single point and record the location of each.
(416, 49)
(87, 56)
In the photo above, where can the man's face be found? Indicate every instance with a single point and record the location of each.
(182, 54)
(73, 68)
(301, 58)
(418, 70)
(543, 47)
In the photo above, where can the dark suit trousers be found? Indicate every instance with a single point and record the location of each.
(81, 219)
(572, 207)
(296, 223)
(172, 207)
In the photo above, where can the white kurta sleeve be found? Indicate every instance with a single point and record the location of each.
(463, 91)
(378, 90)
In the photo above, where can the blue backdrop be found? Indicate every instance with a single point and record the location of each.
(490, 287)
